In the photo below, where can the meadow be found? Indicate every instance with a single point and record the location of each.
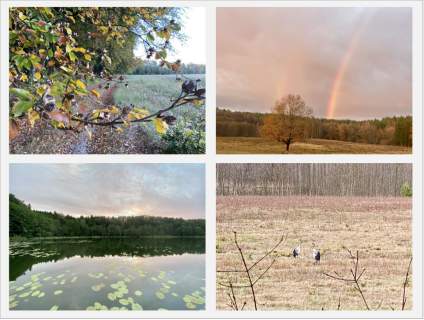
(378, 227)
(256, 145)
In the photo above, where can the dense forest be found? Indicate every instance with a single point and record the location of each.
(386, 131)
(309, 179)
(26, 222)
(141, 67)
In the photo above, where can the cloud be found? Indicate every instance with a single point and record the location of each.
(264, 53)
(173, 190)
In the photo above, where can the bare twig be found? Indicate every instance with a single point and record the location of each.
(405, 283)
(247, 270)
(252, 289)
(355, 277)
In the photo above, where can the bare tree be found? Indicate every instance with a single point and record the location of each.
(313, 179)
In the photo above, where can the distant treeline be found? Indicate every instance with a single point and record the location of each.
(387, 131)
(25, 222)
(309, 179)
(152, 67)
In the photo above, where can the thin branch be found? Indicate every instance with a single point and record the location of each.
(252, 289)
(405, 283)
(355, 278)
(268, 253)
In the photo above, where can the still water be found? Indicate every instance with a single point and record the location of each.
(108, 274)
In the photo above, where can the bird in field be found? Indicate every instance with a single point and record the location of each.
(296, 251)
(316, 255)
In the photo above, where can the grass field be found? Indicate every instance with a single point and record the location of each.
(380, 228)
(153, 92)
(246, 145)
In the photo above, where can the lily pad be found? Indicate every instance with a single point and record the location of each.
(25, 294)
(98, 287)
(54, 308)
(57, 292)
(190, 305)
(111, 296)
(124, 302)
(138, 293)
(172, 282)
(136, 306)
(160, 295)
(174, 294)
(35, 293)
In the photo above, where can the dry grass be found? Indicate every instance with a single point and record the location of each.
(242, 145)
(380, 228)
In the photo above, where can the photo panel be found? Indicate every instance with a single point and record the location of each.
(107, 80)
(314, 236)
(314, 80)
(128, 240)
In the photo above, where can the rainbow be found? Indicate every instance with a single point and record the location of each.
(343, 66)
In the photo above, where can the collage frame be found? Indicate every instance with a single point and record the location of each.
(210, 159)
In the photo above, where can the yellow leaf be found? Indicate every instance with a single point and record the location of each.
(114, 110)
(161, 126)
(22, 16)
(37, 75)
(87, 57)
(96, 93)
(79, 49)
(24, 77)
(80, 84)
(119, 129)
(40, 91)
(32, 117)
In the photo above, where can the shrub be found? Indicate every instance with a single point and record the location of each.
(406, 190)
(186, 139)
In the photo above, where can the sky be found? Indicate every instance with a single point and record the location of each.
(345, 62)
(171, 190)
(193, 48)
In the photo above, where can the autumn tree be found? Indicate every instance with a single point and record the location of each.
(55, 53)
(287, 121)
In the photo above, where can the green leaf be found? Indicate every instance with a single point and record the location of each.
(72, 56)
(21, 93)
(21, 107)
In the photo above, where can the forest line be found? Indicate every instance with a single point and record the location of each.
(309, 179)
(386, 131)
(29, 223)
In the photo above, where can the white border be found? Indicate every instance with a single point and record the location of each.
(210, 159)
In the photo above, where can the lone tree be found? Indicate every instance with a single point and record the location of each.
(287, 121)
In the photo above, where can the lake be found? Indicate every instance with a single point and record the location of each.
(107, 274)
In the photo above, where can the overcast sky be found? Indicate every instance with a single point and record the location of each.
(193, 48)
(345, 62)
(172, 190)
